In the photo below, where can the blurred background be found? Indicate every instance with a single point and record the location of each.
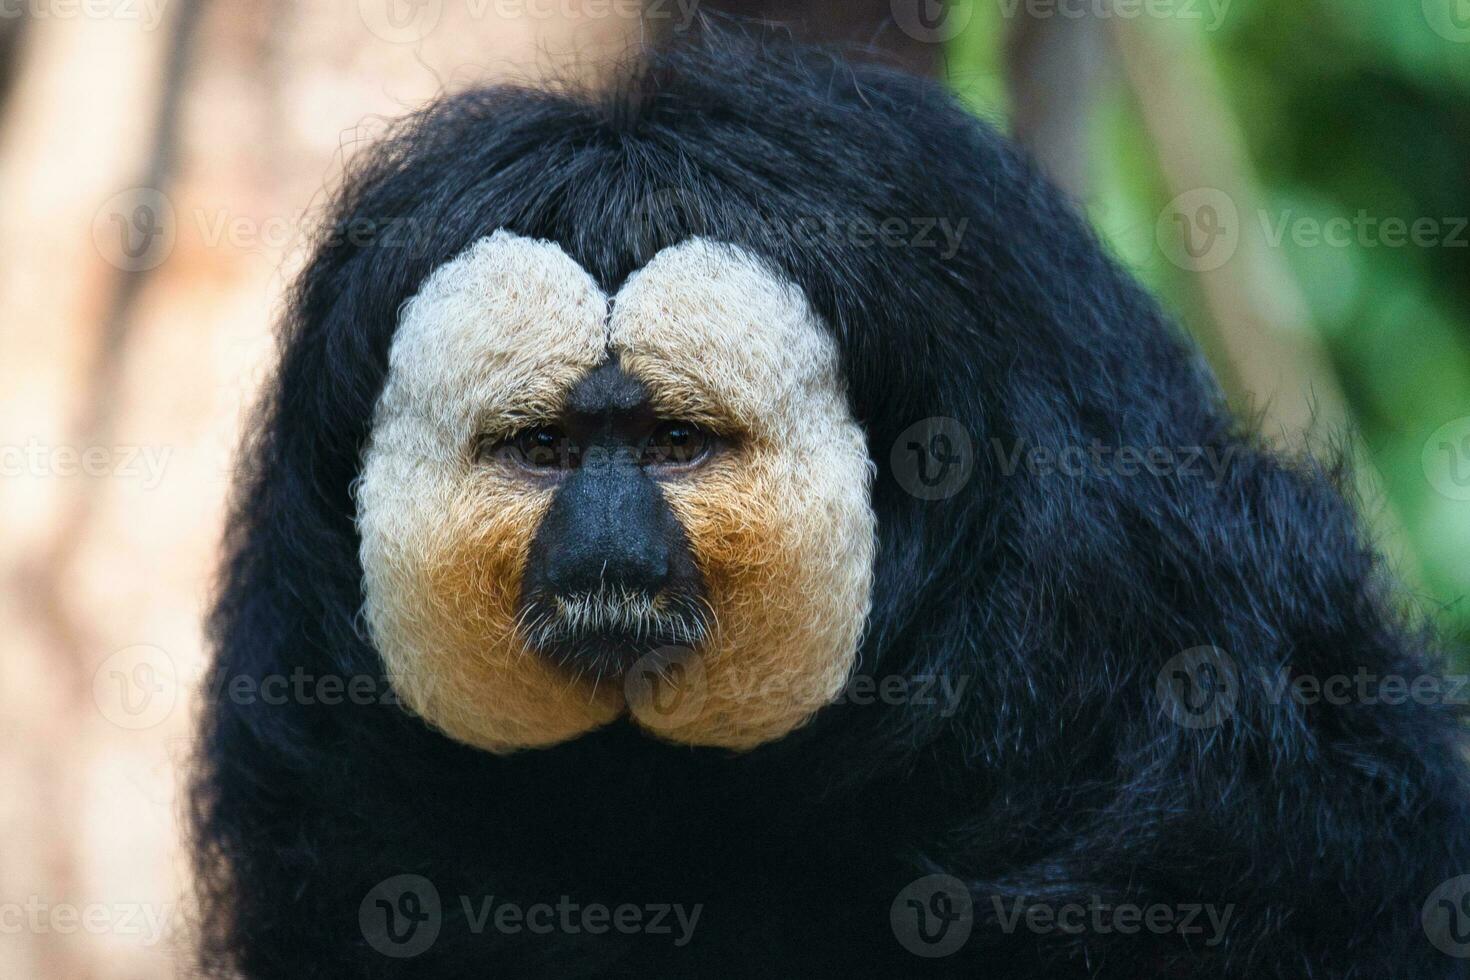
(1293, 176)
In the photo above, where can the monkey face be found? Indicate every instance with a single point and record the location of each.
(572, 508)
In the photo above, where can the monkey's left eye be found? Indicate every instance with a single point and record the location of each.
(544, 447)
(677, 444)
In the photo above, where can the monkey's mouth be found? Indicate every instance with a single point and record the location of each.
(609, 630)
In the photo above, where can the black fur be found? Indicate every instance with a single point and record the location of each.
(1056, 597)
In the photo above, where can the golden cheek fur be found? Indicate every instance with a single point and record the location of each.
(782, 529)
(455, 654)
(780, 525)
(788, 573)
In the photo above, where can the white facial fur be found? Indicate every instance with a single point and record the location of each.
(779, 524)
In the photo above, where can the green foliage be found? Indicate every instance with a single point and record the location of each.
(1356, 119)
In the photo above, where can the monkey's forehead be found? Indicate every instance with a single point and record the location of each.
(511, 323)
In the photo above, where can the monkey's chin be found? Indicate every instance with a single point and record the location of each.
(613, 653)
(674, 692)
(680, 693)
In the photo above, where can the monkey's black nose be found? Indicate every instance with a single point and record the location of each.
(608, 527)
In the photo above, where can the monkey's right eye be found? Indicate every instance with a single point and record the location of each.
(545, 447)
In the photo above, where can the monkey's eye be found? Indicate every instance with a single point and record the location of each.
(677, 443)
(545, 447)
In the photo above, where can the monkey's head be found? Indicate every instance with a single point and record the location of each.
(659, 404)
(562, 487)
